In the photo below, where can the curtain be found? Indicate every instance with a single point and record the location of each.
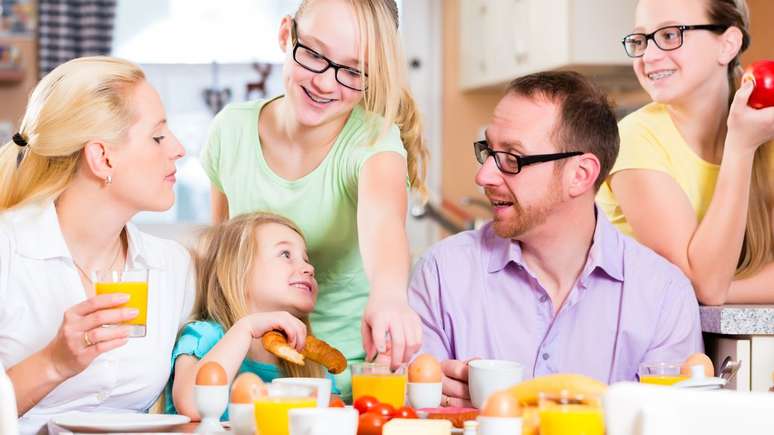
(73, 28)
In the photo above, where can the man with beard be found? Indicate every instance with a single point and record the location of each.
(550, 283)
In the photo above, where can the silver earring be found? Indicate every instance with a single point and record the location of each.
(108, 179)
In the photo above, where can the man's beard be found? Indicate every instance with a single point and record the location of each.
(525, 219)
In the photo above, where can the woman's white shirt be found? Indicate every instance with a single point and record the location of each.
(39, 282)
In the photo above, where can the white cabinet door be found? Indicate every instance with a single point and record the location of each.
(503, 39)
(762, 353)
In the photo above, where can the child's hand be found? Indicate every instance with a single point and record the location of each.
(261, 323)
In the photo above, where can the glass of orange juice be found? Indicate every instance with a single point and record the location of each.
(568, 414)
(133, 283)
(660, 373)
(272, 406)
(376, 379)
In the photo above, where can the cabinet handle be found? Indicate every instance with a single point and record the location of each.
(482, 66)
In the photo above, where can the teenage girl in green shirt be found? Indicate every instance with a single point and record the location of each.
(333, 154)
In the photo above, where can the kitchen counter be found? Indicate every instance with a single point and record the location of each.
(738, 319)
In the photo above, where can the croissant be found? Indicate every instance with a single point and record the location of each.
(315, 349)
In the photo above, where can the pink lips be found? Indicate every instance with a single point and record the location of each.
(171, 177)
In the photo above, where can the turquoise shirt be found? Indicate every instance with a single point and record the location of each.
(322, 203)
(197, 338)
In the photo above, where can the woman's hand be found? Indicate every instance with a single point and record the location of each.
(261, 323)
(81, 336)
(748, 128)
(391, 327)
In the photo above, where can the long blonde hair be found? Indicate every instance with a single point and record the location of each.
(223, 260)
(758, 246)
(81, 100)
(387, 93)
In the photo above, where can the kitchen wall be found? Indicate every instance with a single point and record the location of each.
(465, 113)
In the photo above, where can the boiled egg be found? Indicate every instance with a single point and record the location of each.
(211, 373)
(501, 404)
(697, 359)
(424, 369)
(245, 388)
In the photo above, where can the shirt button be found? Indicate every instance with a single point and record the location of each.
(543, 298)
(546, 356)
(102, 395)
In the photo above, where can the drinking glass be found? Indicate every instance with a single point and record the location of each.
(132, 282)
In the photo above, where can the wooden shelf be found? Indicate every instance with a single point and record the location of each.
(11, 75)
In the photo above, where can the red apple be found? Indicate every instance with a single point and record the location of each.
(762, 73)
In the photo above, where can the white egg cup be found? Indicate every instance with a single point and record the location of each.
(424, 394)
(498, 425)
(242, 418)
(211, 401)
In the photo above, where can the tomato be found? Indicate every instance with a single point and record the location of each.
(371, 424)
(384, 409)
(405, 412)
(336, 402)
(364, 404)
(763, 74)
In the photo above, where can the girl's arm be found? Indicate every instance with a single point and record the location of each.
(229, 352)
(219, 205)
(381, 221)
(663, 219)
(757, 289)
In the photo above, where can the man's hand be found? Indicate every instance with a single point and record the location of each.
(455, 383)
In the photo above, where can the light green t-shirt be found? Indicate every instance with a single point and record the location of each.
(323, 204)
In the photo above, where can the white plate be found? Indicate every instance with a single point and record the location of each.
(125, 422)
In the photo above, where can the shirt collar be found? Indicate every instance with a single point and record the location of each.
(606, 251)
(39, 236)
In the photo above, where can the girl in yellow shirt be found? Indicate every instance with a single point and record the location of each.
(692, 180)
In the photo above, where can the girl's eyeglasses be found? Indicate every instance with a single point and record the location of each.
(666, 38)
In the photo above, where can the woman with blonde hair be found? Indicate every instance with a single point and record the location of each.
(693, 178)
(335, 155)
(93, 150)
(253, 276)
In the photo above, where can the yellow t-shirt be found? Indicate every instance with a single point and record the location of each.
(650, 140)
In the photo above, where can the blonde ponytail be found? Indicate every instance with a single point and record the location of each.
(79, 101)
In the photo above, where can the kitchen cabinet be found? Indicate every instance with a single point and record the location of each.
(503, 39)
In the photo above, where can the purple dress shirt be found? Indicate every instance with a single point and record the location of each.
(477, 298)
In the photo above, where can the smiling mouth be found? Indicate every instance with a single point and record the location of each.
(303, 286)
(658, 75)
(315, 98)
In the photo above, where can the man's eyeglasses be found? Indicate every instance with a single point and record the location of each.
(666, 38)
(512, 164)
(317, 63)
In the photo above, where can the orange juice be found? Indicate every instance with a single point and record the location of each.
(388, 388)
(138, 297)
(662, 379)
(271, 413)
(571, 420)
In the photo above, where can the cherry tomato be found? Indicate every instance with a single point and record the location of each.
(364, 403)
(336, 402)
(405, 412)
(371, 424)
(384, 409)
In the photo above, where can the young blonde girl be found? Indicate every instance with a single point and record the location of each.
(336, 154)
(253, 276)
(693, 178)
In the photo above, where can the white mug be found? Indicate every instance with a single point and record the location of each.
(323, 421)
(323, 387)
(485, 376)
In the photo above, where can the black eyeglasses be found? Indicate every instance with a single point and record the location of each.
(317, 63)
(666, 38)
(512, 164)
